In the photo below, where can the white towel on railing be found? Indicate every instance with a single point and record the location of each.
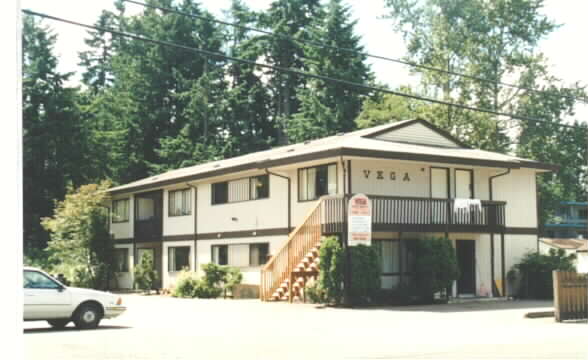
(466, 204)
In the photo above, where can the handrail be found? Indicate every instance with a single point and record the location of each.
(300, 241)
(292, 234)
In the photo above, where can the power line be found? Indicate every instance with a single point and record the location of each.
(287, 70)
(353, 51)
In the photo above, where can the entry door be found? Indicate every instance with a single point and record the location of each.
(464, 187)
(466, 260)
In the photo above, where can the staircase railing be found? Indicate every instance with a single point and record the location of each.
(300, 241)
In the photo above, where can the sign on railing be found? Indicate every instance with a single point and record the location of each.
(360, 220)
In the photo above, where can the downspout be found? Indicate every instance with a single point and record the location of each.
(289, 197)
(195, 223)
(491, 198)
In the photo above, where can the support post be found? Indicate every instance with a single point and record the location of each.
(347, 273)
(492, 286)
(502, 264)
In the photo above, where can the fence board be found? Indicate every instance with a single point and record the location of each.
(570, 295)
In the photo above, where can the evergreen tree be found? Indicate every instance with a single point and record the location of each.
(328, 108)
(290, 18)
(54, 147)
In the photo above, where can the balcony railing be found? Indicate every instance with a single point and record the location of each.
(412, 214)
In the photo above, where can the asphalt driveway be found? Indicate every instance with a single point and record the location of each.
(158, 328)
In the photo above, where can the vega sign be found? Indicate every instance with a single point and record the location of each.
(359, 220)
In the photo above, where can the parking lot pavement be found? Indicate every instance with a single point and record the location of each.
(158, 328)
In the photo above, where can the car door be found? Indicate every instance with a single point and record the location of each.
(44, 298)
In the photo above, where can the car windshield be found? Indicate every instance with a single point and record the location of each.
(37, 280)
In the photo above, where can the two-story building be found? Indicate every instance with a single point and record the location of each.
(276, 205)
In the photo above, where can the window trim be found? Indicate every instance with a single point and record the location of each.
(169, 250)
(169, 192)
(212, 203)
(127, 217)
(316, 166)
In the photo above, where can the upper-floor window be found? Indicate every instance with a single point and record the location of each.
(180, 203)
(145, 208)
(251, 188)
(314, 182)
(120, 210)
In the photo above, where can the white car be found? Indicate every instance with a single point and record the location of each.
(47, 299)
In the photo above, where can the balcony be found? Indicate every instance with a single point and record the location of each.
(412, 214)
(149, 216)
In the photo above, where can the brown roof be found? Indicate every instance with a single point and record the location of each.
(568, 244)
(356, 143)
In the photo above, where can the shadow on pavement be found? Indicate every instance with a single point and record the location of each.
(72, 328)
(467, 307)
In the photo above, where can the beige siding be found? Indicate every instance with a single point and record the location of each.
(417, 134)
(389, 178)
(518, 190)
(270, 213)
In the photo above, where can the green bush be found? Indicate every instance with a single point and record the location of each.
(315, 293)
(435, 266)
(185, 284)
(332, 262)
(145, 273)
(535, 272)
(217, 279)
(365, 274)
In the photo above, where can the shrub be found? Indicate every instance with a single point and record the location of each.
(315, 293)
(233, 277)
(185, 285)
(365, 274)
(535, 272)
(435, 266)
(331, 257)
(145, 273)
(204, 290)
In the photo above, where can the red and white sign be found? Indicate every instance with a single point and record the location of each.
(359, 220)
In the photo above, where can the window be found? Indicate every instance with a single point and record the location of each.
(220, 254)
(120, 210)
(145, 209)
(259, 187)
(121, 260)
(178, 258)
(220, 193)
(393, 255)
(583, 214)
(36, 280)
(180, 203)
(251, 188)
(240, 255)
(258, 254)
(317, 181)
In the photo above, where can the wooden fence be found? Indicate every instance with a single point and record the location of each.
(570, 295)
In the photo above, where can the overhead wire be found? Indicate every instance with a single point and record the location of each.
(287, 70)
(354, 51)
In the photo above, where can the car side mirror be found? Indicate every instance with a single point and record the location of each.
(61, 288)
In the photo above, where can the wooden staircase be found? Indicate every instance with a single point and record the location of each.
(286, 273)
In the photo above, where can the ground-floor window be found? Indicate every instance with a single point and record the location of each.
(178, 258)
(396, 261)
(240, 254)
(121, 260)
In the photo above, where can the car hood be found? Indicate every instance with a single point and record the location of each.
(91, 292)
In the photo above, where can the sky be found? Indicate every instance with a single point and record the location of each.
(565, 48)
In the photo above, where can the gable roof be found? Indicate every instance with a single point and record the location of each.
(362, 142)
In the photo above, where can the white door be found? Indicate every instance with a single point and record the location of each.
(463, 184)
(45, 298)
